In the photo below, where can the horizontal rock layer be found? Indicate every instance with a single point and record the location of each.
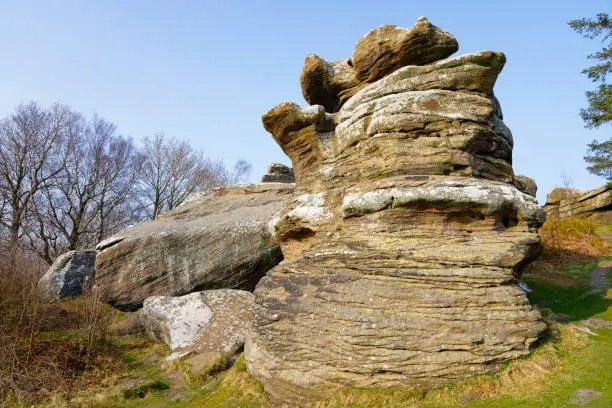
(436, 119)
(216, 240)
(569, 202)
(411, 285)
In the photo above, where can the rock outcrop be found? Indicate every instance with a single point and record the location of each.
(212, 241)
(206, 325)
(278, 173)
(570, 202)
(407, 236)
(69, 274)
(526, 184)
(377, 54)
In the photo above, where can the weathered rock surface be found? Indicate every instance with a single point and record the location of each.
(69, 274)
(377, 54)
(407, 236)
(570, 202)
(210, 324)
(215, 240)
(278, 173)
(387, 48)
(526, 184)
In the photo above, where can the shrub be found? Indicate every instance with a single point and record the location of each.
(572, 234)
(48, 348)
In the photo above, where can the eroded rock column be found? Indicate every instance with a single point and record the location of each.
(405, 241)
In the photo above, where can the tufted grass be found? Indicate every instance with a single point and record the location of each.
(573, 234)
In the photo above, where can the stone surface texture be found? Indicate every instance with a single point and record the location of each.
(407, 235)
(212, 322)
(278, 173)
(215, 240)
(526, 184)
(570, 202)
(69, 274)
(376, 54)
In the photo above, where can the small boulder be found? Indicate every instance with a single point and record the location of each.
(207, 325)
(526, 184)
(278, 173)
(69, 274)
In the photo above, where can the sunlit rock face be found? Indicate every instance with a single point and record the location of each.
(214, 240)
(406, 237)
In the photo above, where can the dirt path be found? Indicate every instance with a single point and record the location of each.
(598, 277)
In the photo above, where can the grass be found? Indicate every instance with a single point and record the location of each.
(573, 234)
(565, 290)
(233, 389)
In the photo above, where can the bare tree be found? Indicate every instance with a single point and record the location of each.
(117, 205)
(30, 158)
(171, 170)
(67, 182)
(81, 206)
(242, 170)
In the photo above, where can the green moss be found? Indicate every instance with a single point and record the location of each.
(142, 389)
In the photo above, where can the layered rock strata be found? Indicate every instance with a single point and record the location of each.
(69, 274)
(377, 54)
(215, 240)
(407, 236)
(569, 202)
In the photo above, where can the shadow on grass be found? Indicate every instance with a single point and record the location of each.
(577, 302)
(560, 281)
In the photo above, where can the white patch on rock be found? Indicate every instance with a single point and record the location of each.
(310, 209)
(492, 196)
(273, 223)
(183, 316)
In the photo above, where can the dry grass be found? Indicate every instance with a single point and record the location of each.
(237, 388)
(572, 235)
(47, 349)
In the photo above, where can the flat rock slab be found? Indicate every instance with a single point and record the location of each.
(205, 326)
(569, 202)
(583, 396)
(69, 274)
(213, 241)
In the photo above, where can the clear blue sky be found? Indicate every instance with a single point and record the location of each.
(206, 71)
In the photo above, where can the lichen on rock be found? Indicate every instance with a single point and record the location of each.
(407, 236)
(204, 325)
